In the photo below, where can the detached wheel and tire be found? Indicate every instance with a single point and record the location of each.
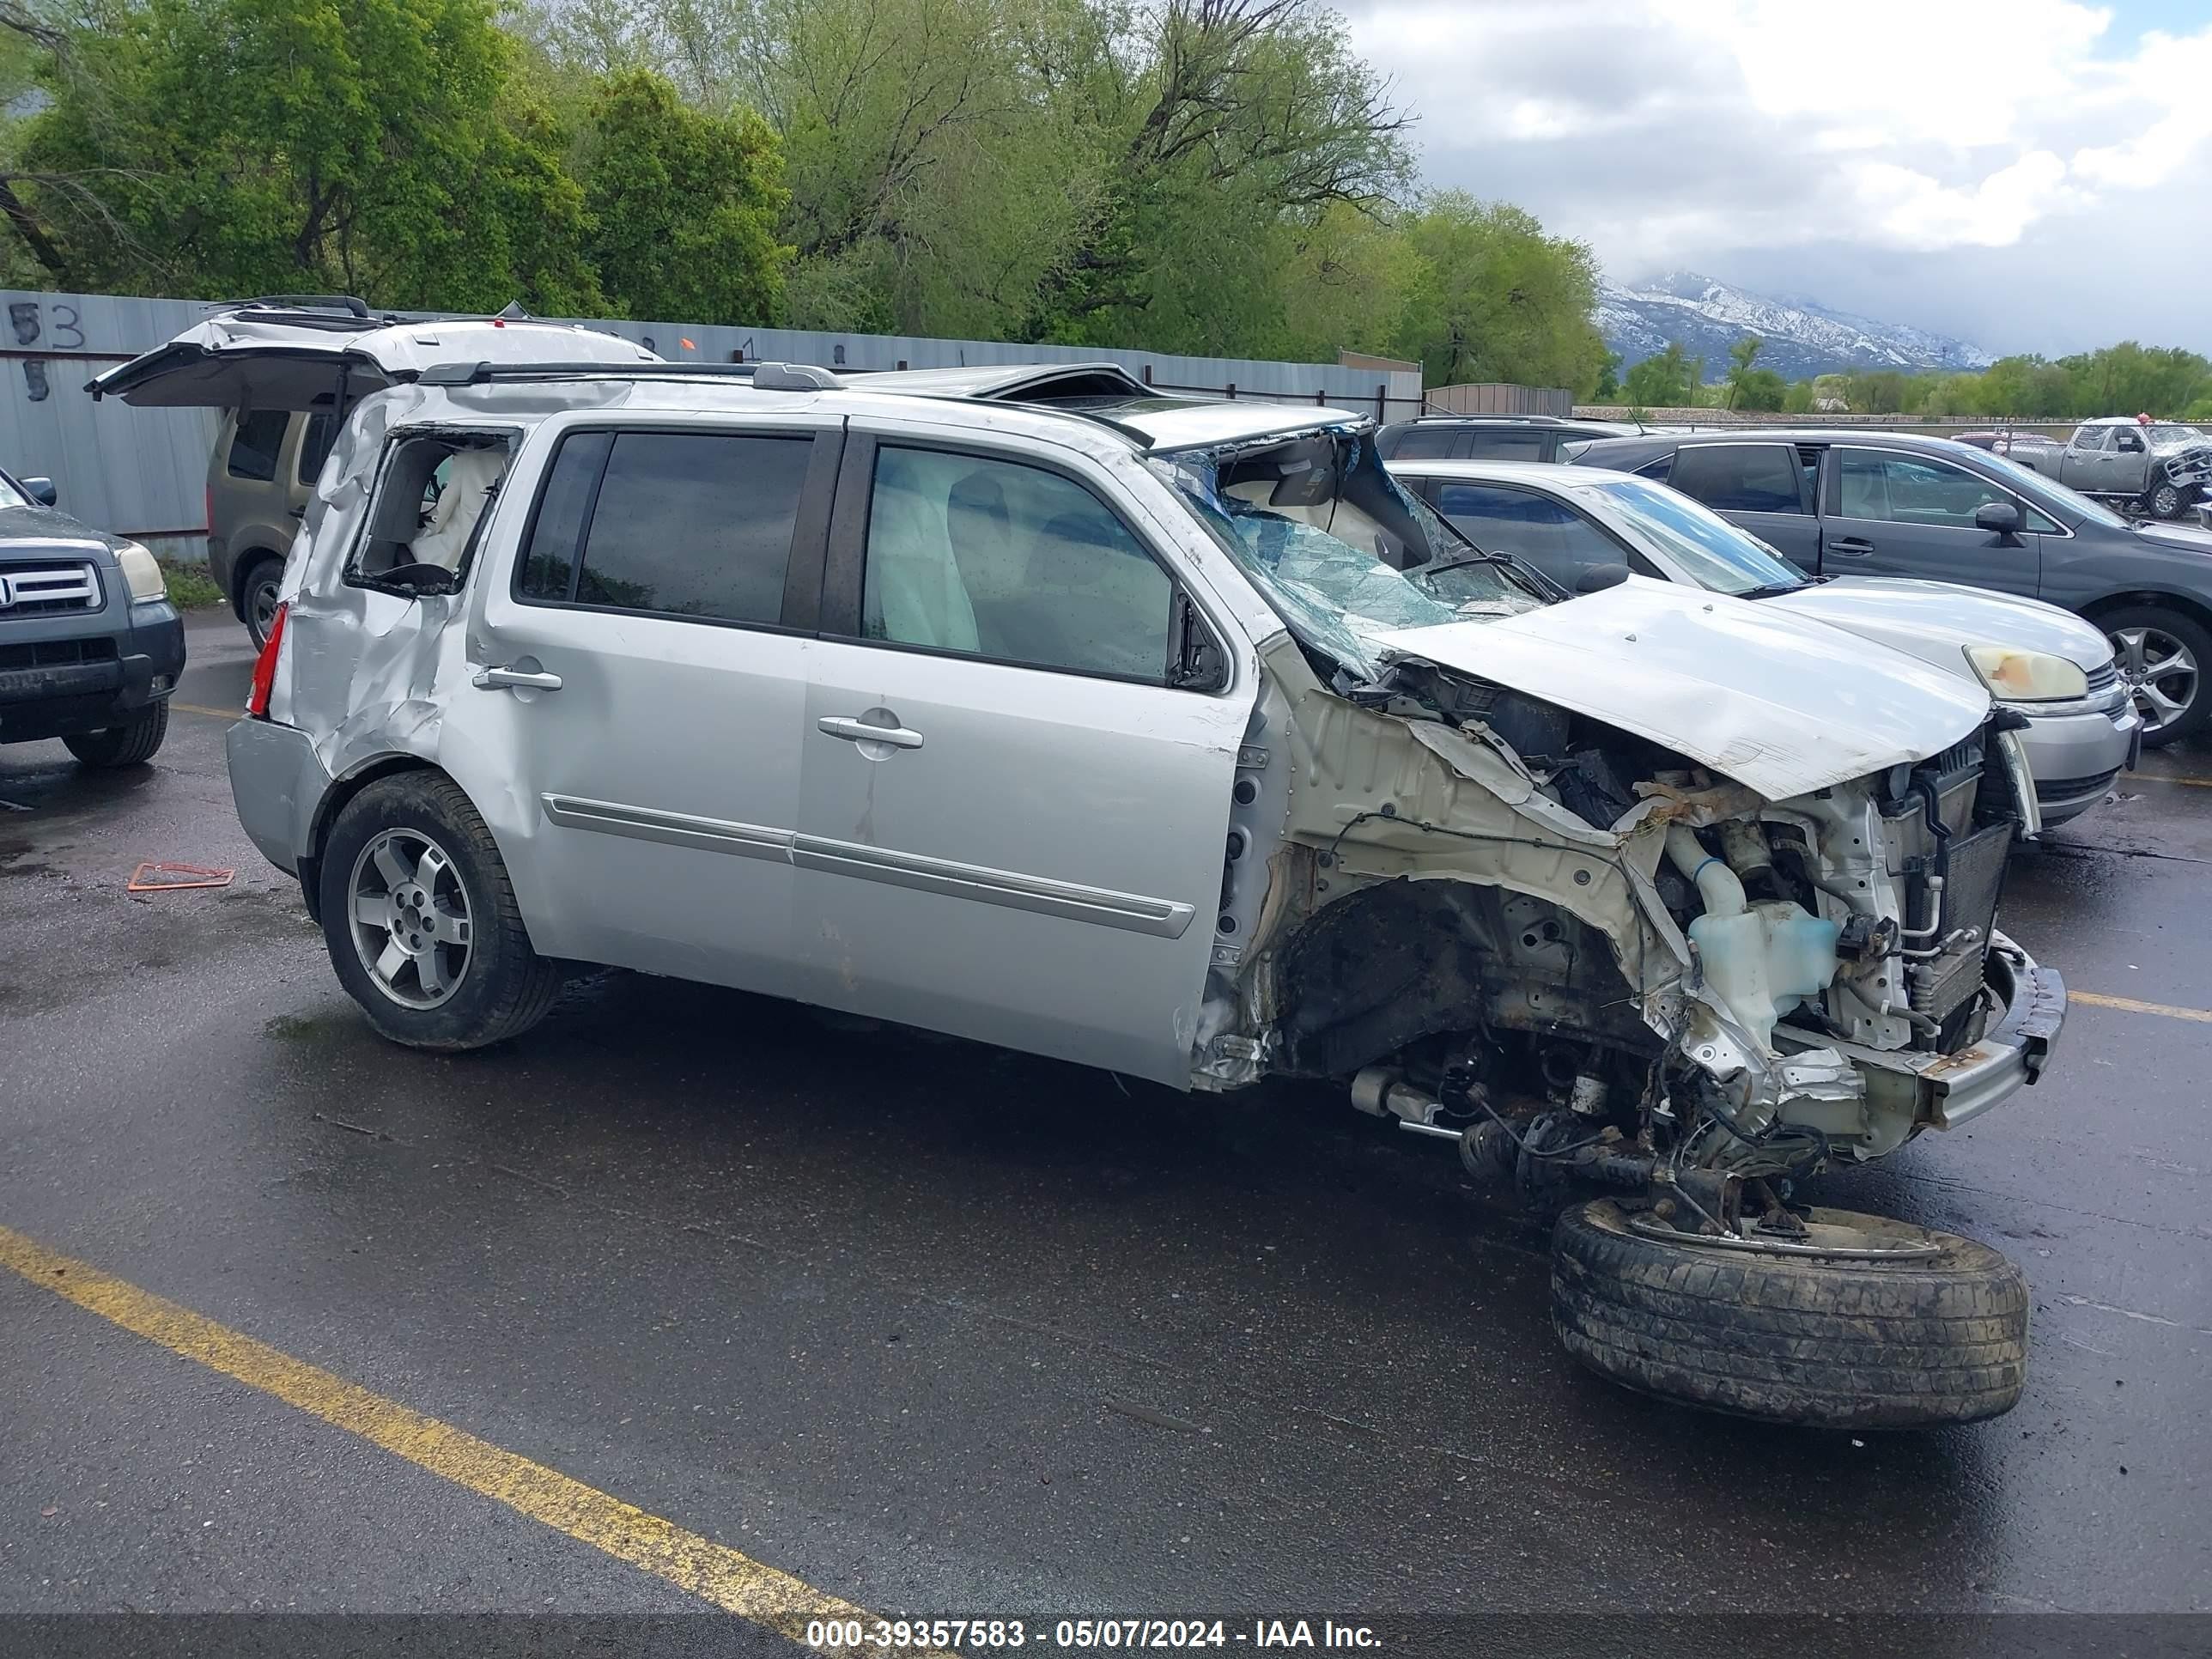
(421, 919)
(132, 744)
(1899, 1328)
(2161, 655)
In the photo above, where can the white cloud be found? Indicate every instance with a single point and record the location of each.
(1696, 132)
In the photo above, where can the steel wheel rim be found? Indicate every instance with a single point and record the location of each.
(261, 606)
(2166, 500)
(409, 919)
(1824, 1239)
(2154, 666)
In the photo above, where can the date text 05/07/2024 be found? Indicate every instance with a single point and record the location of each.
(978, 1635)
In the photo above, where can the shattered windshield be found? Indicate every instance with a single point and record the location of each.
(2175, 437)
(1335, 587)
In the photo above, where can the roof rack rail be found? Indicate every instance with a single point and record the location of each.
(769, 377)
(345, 302)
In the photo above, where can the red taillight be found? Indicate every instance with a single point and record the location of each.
(264, 666)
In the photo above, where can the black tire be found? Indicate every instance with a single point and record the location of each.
(2167, 500)
(503, 987)
(2191, 634)
(257, 595)
(1799, 1340)
(132, 744)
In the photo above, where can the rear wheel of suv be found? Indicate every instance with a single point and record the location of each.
(1867, 1323)
(257, 598)
(132, 744)
(421, 919)
(2162, 656)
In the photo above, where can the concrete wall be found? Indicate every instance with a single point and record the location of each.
(143, 471)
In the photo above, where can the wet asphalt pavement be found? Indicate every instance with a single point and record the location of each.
(946, 1330)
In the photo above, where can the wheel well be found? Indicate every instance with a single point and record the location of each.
(333, 802)
(241, 567)
(1405, 960)
(2194, 610)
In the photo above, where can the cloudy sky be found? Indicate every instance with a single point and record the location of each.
(2032, 175)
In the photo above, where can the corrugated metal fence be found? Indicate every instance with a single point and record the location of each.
(143, 471)
(1499, 397)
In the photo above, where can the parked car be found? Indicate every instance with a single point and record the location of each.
(90, 646)
(1577, 524)
(1891, 504)
(1122, 737)
(1491, 437)
(2159, 468)
(260, 477)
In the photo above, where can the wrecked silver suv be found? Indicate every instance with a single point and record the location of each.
(1123, 738)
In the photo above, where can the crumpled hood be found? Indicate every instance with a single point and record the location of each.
(1783, 704)
(1936, 622)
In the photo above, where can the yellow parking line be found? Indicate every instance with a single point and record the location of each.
(759, 1594)
(202, 708)
(2130, 1005)
(2161, 777)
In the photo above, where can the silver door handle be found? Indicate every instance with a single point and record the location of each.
(516, 679)
(853, 731)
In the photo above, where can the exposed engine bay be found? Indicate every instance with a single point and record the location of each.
(1581, 952)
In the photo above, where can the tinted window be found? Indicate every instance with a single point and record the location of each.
(1507, 445)
(2093, 437)
(253, 449)
(1739, 477)
(315, 446)
(1011, 561)
(1423, 443)
(1552, 536)
(694, 524)
(1908, 490)
(549, 563)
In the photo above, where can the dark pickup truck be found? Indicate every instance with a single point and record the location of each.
(90, 646)
(1841, 503)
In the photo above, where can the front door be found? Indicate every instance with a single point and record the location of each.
(1891, 513)
(634, 691)
(1012, 823)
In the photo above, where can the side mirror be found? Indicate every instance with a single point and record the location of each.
(1599, 577)
(1999, 518)
(2131, 444)
(41, 490)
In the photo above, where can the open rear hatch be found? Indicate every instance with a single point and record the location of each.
(282, 355)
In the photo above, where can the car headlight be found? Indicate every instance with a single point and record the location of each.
(141, 574)
(2027, 676)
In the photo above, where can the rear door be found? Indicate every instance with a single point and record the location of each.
(1012, 820)
(1894, 513)
(1763, 486)
(634, 684)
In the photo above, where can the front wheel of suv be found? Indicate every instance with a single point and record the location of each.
(421, 920)
(2166, 500)
(132, 744)
(2162, 656)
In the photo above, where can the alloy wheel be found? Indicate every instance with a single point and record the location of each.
(261, 607)
(411, 920)
(2159, 671)
(2166, 501)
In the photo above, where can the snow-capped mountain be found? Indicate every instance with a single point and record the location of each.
(1802, 338)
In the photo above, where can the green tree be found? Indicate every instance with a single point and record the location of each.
(1741, 357)
(1758, 389)
(1608, 378)
(221, 147)
(1495, 299)
(1663, 380)
(683, 205)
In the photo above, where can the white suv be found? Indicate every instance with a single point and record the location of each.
(1120, 736)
